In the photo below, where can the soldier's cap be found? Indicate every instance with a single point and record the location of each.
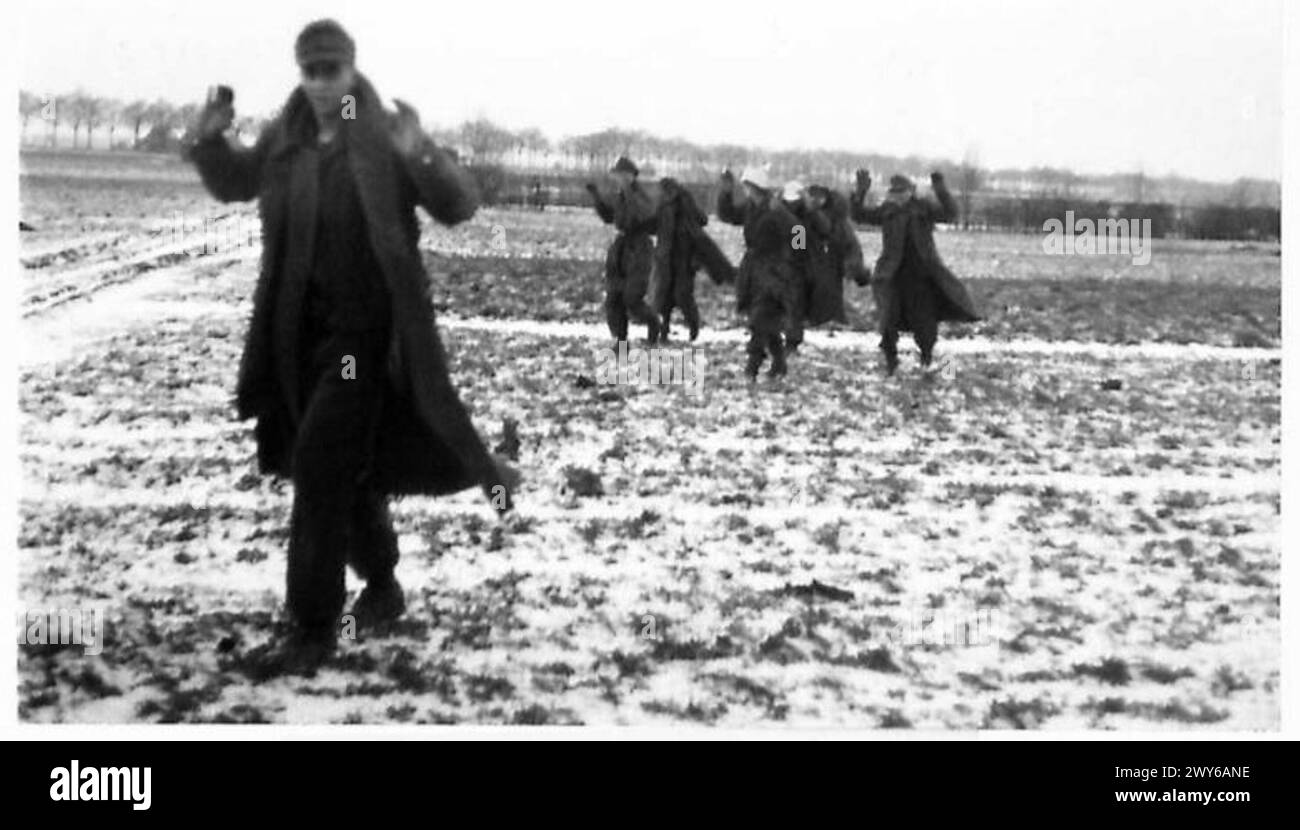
(793, 191)
(324, 40)
(758, 177)
(901, 184)
(624, 165)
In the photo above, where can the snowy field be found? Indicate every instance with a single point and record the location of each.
(1072, 525)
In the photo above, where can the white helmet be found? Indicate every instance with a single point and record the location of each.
(793, 191)
(758, 177)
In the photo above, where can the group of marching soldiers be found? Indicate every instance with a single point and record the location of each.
(800, 245)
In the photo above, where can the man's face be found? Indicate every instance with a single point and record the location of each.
(325, 83)
(624, 178)
(900, 197)
(754, 195)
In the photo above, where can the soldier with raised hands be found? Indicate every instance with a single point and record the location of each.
(768, 272)
(631, 210)
(343, 367)
(914, 290)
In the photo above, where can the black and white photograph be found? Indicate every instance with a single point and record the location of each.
(673, 369)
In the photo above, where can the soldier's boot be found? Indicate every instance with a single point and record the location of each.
(692, 316)
(754, 361)
(616, 317)
(891, 362)
(889, 346)
(776, 347)
(374, 554)
(794, 338)
(653, 328)
(380, 602)
(925, 340)
(300, 651)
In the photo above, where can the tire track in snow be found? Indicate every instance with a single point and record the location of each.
(598, 334)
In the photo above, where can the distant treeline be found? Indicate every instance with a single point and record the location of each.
(507, 161)
(1028, 214)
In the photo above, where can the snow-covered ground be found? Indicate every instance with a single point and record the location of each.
(1101, 516)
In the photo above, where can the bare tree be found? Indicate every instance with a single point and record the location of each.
(161, 114)
(74, 104)
(533, 142)
(1139, 186)
(970, 178)
(184, 118)
(93, 109)
(135, 114)
(485, 140)
(29, 104)
(85, 110)
(111, 110)
(53, 103)
(574, 150)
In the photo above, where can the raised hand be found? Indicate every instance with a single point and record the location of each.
(218, 112)
(404, 127)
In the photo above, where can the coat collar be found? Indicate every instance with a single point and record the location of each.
(296, 126)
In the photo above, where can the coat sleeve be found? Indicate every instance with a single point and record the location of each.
(230, 174)
(711, 257)
(445, 189)
(861, 213)
(819, 221)
(690, 209)
(603, 208)
(728, 211)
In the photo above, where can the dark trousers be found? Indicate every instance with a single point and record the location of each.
(624, 305)
(683, 298)
(915, 304)
(767, 316)
(924, 335)
(627, 278)
(801, 297)
(337, 518)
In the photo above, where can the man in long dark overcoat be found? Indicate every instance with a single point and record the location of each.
(631, 210)
(828, 253)
(343, 367)
(767, 275)
(682, 247)
(914, 290)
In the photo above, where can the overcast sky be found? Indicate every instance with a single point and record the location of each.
(1193, 87)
